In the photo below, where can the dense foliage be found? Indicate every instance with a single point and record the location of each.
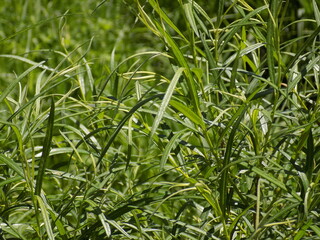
(156, 119)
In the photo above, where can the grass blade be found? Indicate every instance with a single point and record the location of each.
(302, 232)
(302, 48)
(188, 113)
(164, 17)
(269, 178)
(226, 160)
(225, 39)
(316, 229)
(166, 100)
(45, 217)
(309, 167)
(122, 122)
(188, 8)
(17, 80)
(45, 149)
(11, 164)
(168, 148)
(271, 40)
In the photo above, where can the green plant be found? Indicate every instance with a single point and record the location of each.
(197, 123)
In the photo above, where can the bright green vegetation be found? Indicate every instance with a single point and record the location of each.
(159, 119)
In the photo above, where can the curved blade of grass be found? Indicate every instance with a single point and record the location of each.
(316, 11)
(271, 40)
(168, 148)
(223, 41)
(236, 220)
(309, 167)
(58, 223)
(199, 9)
(206, 192)
(101, 216)
(45, 216)
(302, 48)
(33, 63)
(117, 226)
(15, 82)
(227, 157)
(302, 232)
(210, 59)
(11, 164)
(165, 101)
(105, 224)
(316, 229)
(31, 101)
(10, 180)
(123, 62)
(122, 122)
(311, 65)
(188, 8)
(45, 149)
(10, 229)
(269, 178)
(253, 96)
(234, 124)
(183, 63)
(267, 220)
(164, 17)
(188, 113)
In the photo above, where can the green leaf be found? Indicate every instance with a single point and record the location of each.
(169, 146)
(302, 48)
(271, 40)
(164, 17)
(309, 167)
(16, 81)
(122, 122)
(188, 8)
(105, 224)
(166, 100)
(269, 178)
(45, 150)
(266, 220)
(45, 216)
(302, 232)
(316, 229)
(12, 164)
(225, 39)
(179, 57)
(316, 11)
(227, 157)
(10, 180)
(210, 58)
(188, 113)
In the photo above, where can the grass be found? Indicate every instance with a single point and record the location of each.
(128, 120)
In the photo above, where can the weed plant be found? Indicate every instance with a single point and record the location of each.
(149, 119)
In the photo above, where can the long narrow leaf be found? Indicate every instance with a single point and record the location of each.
(168, 148)
(166, 100)
(45, 150)
(164, 16)
(187, 112)
(122, 122)
(227, 158)
(302, 48)
(12, 164)
(46, 219)
(14, 83)
(270, 178)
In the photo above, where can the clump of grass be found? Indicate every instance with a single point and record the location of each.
(197, 123)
